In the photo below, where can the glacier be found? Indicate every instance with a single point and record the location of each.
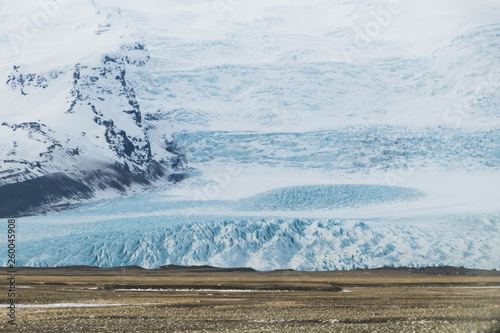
(262, 243)
(273, 134)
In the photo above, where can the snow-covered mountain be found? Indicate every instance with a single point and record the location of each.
(74, 130)
(240, 133)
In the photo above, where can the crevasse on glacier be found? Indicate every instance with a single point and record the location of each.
(262, 243)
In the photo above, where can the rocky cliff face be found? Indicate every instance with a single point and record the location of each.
(86, 135)
(103, 92)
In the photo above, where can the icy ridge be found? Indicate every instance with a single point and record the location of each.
(312, 197)
(354, 148)
(264, 244)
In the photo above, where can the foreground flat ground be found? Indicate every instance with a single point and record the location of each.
(84, 299)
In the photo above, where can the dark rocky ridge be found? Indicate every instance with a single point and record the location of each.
(45, 193)
(428, 270)
(27, 197)
(94, 86)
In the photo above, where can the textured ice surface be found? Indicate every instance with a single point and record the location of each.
(263, 243)
(294, 198)
(312, 197)
(355, 149)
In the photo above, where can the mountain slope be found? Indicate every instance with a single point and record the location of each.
(91, 137)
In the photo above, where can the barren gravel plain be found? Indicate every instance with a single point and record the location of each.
(207, 299)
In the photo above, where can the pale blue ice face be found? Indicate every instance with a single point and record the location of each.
(261, 243)
(142, 230)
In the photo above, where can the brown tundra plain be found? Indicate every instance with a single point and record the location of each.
(208, 299)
